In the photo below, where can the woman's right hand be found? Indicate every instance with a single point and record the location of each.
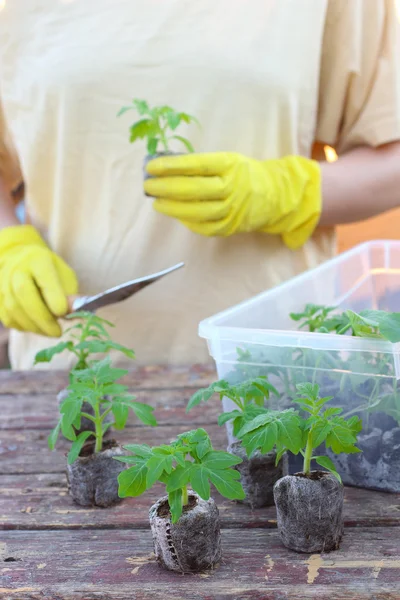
(34, 282)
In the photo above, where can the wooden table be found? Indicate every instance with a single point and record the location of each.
(51, 548)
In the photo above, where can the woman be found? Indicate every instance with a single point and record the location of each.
(267, 79)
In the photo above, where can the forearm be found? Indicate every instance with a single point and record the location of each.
(361, 184)
(7, 207)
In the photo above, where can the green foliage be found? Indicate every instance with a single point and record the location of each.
(97, 385)
(289, 430)
(377, 324)
(189, 460)
(89, 336)
(242, 394)
(155, 124)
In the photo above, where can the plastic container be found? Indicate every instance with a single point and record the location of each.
(257, 337)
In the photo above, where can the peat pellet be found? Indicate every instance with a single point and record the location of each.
(93, 477)
(258, 475)
(193, 544)
(86, 424)
(310, 511)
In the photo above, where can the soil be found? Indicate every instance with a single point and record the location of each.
(310, 511)
(86, 424)
(92, 478)
(193, 544)
(258, 475)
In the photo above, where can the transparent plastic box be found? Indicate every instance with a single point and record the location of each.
(257, 337)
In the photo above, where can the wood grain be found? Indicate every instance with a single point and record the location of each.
(52, 549)
(120, 564)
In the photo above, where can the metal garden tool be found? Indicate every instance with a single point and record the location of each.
(117, 293)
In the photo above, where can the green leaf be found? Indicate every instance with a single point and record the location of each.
(52, 439)
(327, 463)
(259, 421)
(340, 436)
(388, 323)
(184, 141)
(156, 465)
(120, 413)
(144, 413)
(263, 439)
(320, 432)
(290, 433)
(175, 505)
(77, 446)
(332, 411)
(152, 144)
(179, 477)
(229, 416)
(227, 484)
(45, 356)
(199, 480)
(132, 482)
(141, 106)
(124, 109)
(173, 119)
(217, 459)
(141, 129)
(205, 394)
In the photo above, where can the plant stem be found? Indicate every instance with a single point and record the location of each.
(98, 429)
(185, 498)
(308, 455)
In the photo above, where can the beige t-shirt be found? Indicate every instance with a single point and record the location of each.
(265, 78)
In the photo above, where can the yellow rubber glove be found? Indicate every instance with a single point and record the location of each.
(222, 193)
(34, 282)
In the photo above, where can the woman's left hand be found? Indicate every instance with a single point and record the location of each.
(222, 193)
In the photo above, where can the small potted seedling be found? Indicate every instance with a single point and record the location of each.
(260, 471)
(91, 472)
(185, 523)
(86, 339)
(157, 126)
(309, 504)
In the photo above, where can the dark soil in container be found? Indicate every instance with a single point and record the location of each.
(193, 544)
(92, 478)
(86, 424)
(258, 475)
(310, 511)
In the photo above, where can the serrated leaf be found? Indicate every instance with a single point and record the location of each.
(217, 459)
(199, 480)
(263, 439)
(290, 433)
(340, 437)
(332, 411)
(173, 119)
(156, 465)
(259, 421)
(132, 481)
(144, 413)
(227, 484)
(320, 432)
(77, 445)
(45, 356)
(228, 416)
(179, 477)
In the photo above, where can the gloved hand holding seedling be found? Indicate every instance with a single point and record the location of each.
(258, 473)
(309, 504)
(185, 524)
(92, 475)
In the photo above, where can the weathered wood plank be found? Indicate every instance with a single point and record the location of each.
(101, 564)
(41, 411)
(26, 451)
(42, 502)
(42, 381)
